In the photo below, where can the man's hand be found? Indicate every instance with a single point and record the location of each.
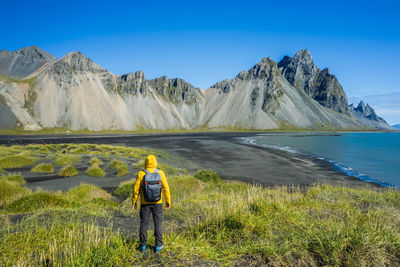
(135, 206)
(167, 206)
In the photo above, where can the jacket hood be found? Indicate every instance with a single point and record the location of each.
(150, 162)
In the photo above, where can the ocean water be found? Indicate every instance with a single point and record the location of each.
(373, 157)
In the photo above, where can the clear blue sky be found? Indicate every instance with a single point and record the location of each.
(204, 42)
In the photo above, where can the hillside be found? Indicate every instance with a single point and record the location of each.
(75, 93)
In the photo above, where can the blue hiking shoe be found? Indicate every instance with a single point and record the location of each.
(142, 248)
(159, 248)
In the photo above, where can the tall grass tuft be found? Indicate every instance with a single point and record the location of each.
(66, 159)
(96, 161)
(120, 166)
(87, 192)
(43, 168)
(11, 188)
(13, 178)
(125, 189)
(207, 176)
(68, 171)
(36, 201)
(95, 171)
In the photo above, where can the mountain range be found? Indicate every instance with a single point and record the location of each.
(39, 91)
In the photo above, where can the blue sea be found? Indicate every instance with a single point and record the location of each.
(373, 157)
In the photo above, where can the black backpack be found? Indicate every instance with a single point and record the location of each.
(152, 186)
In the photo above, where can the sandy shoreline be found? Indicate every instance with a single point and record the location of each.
(221, 152)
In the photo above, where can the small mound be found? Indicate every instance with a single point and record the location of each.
(11, 190)
(169, 170)
(16, 161)
(207, 176)
(87, 192)
(68, 171)
(43, 168)
(66, 159)
(13, 178)
(122, 171)
(125, 189)
(95, 171)
(120, 166)
(96, 161)
(37, 201)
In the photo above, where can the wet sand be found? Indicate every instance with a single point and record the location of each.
(221, 152)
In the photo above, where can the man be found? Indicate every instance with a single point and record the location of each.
(152, 186)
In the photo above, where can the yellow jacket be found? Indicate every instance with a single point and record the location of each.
(151, 166)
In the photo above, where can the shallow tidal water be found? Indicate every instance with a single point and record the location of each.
(373, 157)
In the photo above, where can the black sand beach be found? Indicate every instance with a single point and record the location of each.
(220, 152)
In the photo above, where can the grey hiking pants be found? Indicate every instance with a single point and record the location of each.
(145, 210)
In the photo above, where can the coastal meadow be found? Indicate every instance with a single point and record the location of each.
(211, 221)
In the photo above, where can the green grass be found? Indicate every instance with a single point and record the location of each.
(13, 178)
(223, 223)
(17, 160)
(168, 169)
(68, 171)
(207, 176)
(120, 166)
(125, 189)
(43, 168)
(87, 192)
(95, 171)
(11, 188)
(211, 222)
(36, 201)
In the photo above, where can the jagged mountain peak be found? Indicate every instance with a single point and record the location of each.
(133, 76)
(301, 72)
(77, 62)
(77, 93)
(366, 114)
(176, 90)
(365, 109)
(73, 57)
(304, 55)
(361, 105)
(263, 69)
(301, 60)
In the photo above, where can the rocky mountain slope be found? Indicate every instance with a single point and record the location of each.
(74, 92)
(23, 62)
(322, 86)
(367, 115)
(262, 98)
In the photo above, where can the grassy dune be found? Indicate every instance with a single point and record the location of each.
(43, 168)
(210, 222)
